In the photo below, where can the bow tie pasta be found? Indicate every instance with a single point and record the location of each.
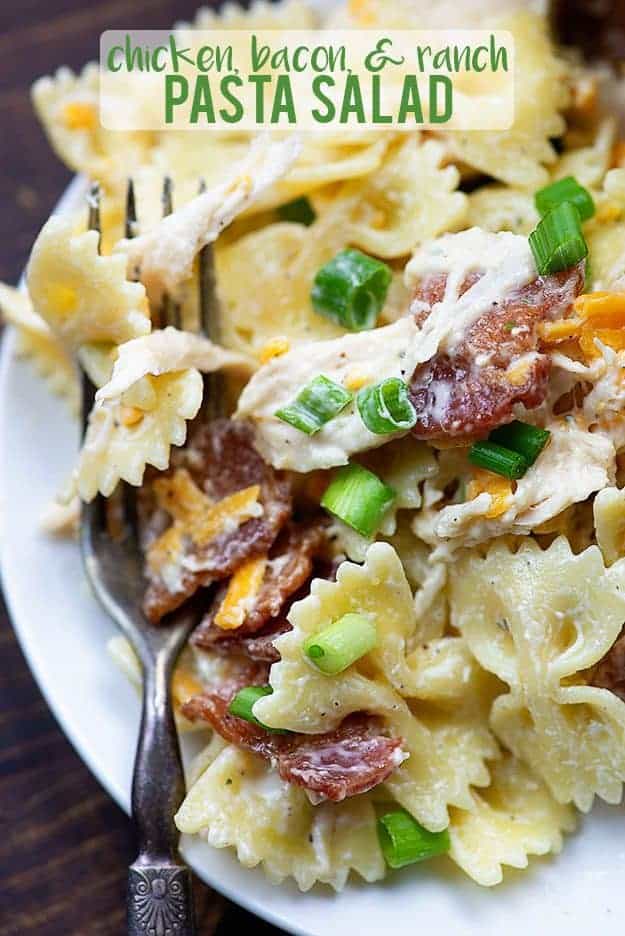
(149, 388)
(84, 297)
(381, 223)
(515, 817)
(609, 517)
(163, 352)
(36, 341)
(87, 301)
(123, 438)
(306, 700)
(540, 620)
(67, 106)
(521, 155)
(240, 801)
(156, 387)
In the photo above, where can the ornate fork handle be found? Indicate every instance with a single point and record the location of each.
(160, 901)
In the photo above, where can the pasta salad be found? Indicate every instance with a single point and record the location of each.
(406, 538)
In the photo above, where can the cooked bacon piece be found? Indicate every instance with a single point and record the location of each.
(609, 673)
(220, 460)
(212, 707)
(260, 646)
(256, 646)
(352, 759)
(289, 568)
(242, 672)
(496, 365)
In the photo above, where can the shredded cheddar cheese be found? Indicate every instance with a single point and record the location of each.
(242, 589)
(361, 12)
(355, 380)
(599, 315)
(602, 316)
(180, 496)
(561, 330)
(184, 685)
(516, 374)
(78, 115)
(379, 219)
(130, 416)
(500, 490)
(195, 516)
(601, 309)
(274, 348)
(612, 337)
(608, 212)
(231, 511)
(63, 298)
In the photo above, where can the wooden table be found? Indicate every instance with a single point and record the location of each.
(64, 846)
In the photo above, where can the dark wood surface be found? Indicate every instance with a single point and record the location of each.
(64, 845)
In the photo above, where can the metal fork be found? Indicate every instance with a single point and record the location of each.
(159, 883)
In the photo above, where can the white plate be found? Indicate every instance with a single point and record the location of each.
(63, 633)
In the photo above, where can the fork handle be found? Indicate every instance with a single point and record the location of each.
(160, 899)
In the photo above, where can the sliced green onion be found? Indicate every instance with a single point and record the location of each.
(300, 211)
(358, 498)
(351, 289)
(315, 405)
(243, 704)
(336, 647)
(528, 441)
(403, 841)
(385, 407)
(497, 458)
(557, 242)
(565, 190)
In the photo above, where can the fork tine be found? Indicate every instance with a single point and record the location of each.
(130, 221)
(93, 202)
(128, 493)
(93, 224)
(169, 313)
(210, 326)
(93, 513)
(166, 196)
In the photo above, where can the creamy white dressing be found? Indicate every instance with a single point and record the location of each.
(506, 264)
